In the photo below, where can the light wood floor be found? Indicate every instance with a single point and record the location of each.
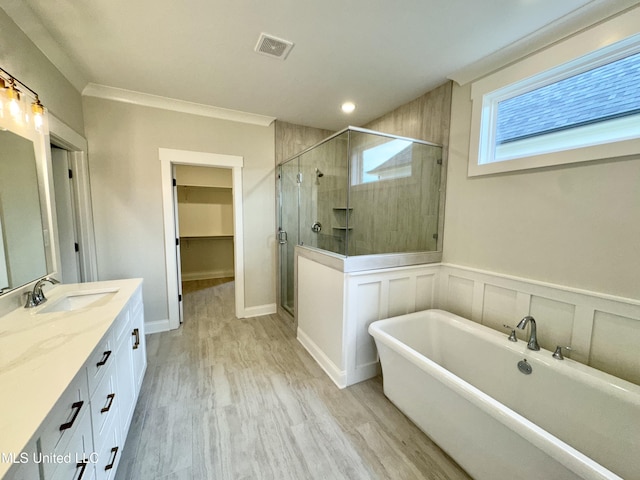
(241, 400)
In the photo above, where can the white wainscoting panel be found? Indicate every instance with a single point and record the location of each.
(335, 309)
(603, 330)
(615, 345)
(459, 296)
(382, 294)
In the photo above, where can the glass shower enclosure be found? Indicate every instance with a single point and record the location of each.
(359, 193)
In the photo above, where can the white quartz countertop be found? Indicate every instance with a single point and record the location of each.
(41, 353)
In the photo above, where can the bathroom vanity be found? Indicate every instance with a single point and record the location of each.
(70, 375)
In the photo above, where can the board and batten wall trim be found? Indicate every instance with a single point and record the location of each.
(335, 309)
(603, 330)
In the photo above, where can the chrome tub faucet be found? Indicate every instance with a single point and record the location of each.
(532, 344)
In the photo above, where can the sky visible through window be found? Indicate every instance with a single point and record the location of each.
(373, 158)
(603, 93)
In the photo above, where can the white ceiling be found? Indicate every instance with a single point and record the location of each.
(377, 53)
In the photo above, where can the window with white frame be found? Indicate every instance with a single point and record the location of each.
(583, 109)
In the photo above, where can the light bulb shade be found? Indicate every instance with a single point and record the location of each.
(38, 112)
(37, 108)
(14, 100)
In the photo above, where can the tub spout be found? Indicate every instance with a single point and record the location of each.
(532, 344)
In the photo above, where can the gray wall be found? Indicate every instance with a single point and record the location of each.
(127, 196)
(575, 225)
(22, 59)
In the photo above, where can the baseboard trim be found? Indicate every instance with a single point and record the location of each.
(260, 310)
(335, 374)
(364, 372)
(207, 275)
(157, 326)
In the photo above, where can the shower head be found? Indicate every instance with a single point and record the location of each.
(319, 173)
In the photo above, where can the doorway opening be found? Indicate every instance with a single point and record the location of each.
(205, 220)
(63, 187)
(229, 230)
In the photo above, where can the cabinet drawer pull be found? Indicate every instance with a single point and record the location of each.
(136, 333)
(114, 451)
(105, 357)
(77, 406)
(110, 398)
(82, 464)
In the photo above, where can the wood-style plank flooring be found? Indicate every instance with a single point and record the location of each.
(234, 399)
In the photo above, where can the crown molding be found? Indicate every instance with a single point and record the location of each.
(173, 104)
(580, 19)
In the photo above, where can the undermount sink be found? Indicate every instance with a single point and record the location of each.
(79, 300)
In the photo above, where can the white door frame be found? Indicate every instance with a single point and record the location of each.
(168, 158)
(61, 135)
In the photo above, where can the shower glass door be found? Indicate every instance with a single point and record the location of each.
(288, 231)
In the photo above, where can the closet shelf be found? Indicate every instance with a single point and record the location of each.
(205, 236)
(212, 187)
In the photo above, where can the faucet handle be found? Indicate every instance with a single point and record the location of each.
(512, 336)
(29, 300)
(558, 353)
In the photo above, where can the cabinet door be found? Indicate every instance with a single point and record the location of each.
(109, 453)
(125, 383)
(138, 347)
(25, 466)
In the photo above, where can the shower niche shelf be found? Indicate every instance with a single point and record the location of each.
(342, 217)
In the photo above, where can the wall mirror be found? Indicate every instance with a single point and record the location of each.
(27, 240)
(22, 241)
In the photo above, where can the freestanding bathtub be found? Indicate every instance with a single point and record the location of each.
(460, 383)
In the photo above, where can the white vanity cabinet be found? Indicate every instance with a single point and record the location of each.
(114, 398)
(24, 467)
(83, 430)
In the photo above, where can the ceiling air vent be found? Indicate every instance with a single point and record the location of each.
(273, 46)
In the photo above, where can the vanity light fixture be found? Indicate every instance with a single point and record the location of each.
(14, 93)
(348, 107)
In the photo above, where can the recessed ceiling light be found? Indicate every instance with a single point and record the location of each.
(348, 107)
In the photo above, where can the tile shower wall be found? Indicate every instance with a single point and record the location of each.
(398, 214)
(291, 139)
(321, 197)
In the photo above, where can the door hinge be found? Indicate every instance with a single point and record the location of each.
(70, 173)
(177, 242)
(435, 236)
(76, 247)
(179, 297)
(175, 183)
(439, 161)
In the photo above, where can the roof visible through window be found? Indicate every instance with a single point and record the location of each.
(603, 93)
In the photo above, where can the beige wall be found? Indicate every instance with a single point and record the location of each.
(574, 225)
(22, 59)
(127, 199)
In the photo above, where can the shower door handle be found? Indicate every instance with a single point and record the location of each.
(282, 236)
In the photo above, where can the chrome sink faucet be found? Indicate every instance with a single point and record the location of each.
(36, 297)
(533, 338)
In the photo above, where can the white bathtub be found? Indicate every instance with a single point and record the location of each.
(459, 382)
